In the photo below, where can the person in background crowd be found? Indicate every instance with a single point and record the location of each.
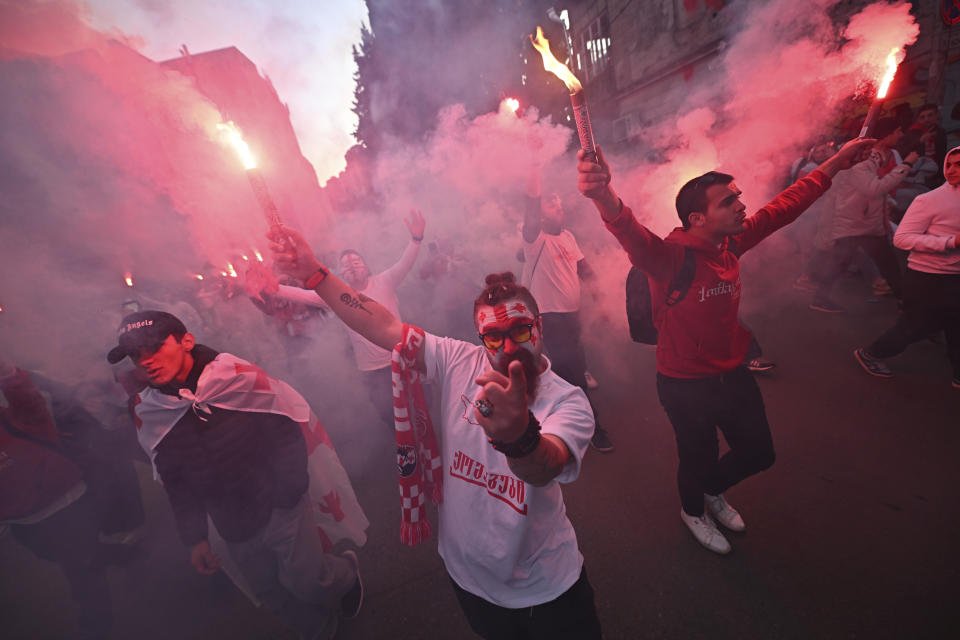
(930, 231)
(927, 139)
(855, 217)
(45, 503)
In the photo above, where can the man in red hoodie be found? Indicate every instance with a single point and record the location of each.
(701, 380)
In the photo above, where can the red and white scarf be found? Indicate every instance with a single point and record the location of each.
(418, 455)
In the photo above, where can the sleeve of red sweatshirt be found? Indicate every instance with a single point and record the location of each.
(783, 209)
(647, 251)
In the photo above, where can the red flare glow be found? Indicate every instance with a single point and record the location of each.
(233, 136)
(128, 279)
(893, 61)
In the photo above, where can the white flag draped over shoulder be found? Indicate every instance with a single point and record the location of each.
(229, 382)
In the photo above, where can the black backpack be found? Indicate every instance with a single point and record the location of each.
(640, 305)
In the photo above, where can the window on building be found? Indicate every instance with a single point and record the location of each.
(593, 55)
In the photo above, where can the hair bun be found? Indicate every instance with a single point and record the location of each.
(506, 277)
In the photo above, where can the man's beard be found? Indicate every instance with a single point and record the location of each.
(530, 369)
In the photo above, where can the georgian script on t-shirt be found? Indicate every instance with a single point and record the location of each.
(722, 288)
(504, 487)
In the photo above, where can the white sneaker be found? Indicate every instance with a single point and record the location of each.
(706, 532)
(724, 513)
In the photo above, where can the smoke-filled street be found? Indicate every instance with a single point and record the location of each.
(513, 320)
(851, 532)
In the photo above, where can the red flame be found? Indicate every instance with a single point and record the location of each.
(893, 61)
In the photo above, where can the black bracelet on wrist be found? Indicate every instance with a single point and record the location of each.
(525, 444)
(416, 239)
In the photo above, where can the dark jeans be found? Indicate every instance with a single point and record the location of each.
(70, 539)
(379, 384)
(697, 407)
(931, 303)
(572, 616)
(561, 342)
(845, 251)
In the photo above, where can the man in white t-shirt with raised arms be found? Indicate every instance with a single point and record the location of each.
(511, 432)
(553, 266)
(372, 361)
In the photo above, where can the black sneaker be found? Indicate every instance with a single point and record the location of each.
(601, 441)
(826, 306)
(760, 364)
(352, 600)
(871, 365)
(955, 383)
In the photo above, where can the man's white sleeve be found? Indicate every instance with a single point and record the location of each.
(571, 420)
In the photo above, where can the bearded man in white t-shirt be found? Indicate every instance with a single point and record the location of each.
(511, 432)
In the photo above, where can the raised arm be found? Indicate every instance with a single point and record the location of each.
(531, 210)
(362, 314)
(416, 224)
(871, 185)
(847, 156)
(645, 249)
(593, 180)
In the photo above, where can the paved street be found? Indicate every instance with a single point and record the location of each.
(850, 535)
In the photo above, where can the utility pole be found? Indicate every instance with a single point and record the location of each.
(939, 45)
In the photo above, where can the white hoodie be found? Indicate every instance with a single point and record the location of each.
(857, 201)
(929, 229)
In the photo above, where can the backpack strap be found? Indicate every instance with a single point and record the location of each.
(684, 279)
(536, 262)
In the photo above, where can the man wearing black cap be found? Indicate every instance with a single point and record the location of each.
(224, 439)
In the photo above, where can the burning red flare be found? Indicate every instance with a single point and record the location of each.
(233, 136)
(893, 61)
(554, 66)
(128, 279)
(577, 98)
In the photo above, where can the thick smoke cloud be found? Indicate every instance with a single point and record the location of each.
(114, 168)
(304, 48)
(783, 78)
(112, 165)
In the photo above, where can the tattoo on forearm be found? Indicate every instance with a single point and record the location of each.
(355, 303)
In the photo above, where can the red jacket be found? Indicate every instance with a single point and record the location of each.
(32, 475)
(701, 336)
